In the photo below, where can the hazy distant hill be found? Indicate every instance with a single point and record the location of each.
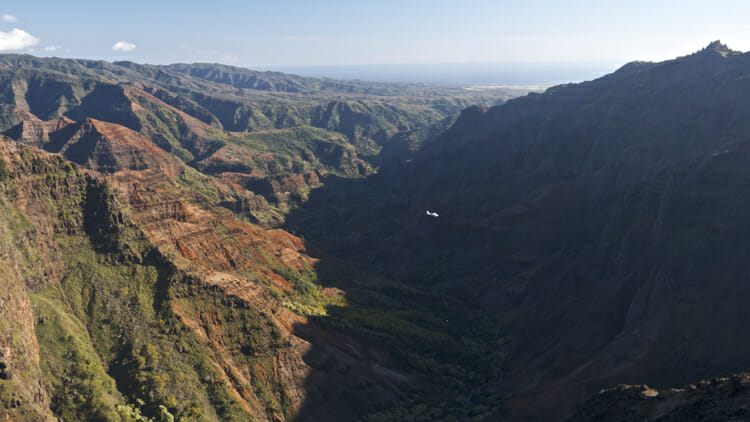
(276, 81)
(193, 117)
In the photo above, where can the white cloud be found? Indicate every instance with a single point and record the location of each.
(17, 39)
(9, 18)
(51, 48)
(123, 46)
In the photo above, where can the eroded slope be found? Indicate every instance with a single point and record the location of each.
(139, 297)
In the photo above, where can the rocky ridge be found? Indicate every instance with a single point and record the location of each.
(597, 224)
(720, 399)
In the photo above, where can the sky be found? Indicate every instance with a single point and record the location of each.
(302, 33)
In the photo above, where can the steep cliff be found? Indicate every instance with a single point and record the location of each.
(127, 295)
(598, 224)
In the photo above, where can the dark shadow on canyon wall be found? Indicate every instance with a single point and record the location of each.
(405, 346)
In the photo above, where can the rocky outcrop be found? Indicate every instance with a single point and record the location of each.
(108, 147)
(34, 132)
(720, 399)
(97, 145)
(30, 132)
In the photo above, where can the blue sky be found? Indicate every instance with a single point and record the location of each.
(324, 32)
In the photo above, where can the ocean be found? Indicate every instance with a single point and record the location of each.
(461, 74)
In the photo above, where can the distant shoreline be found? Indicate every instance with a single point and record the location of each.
(473, 74)
(529, 88)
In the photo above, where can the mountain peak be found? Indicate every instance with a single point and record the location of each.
(718, 47)
(109, 147)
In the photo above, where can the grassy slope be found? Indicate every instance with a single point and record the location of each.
(107, 337)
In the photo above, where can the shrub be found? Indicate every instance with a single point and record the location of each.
(5, 174)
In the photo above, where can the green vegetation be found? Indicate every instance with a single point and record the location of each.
(155, 360)
(215, 97)
(250, 338)
(285, 152)
(80, 387)
(455, 352)
(194, 181)
(279, 128)
(5, 174)
(165, 128)
(123, 334)
(111, 347)
(307, 298)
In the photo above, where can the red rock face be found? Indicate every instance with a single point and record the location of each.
(204, 240)
(237, 258)
(108, 147)
(201, 232)
(296, 182)
(98, 145)
(239, 159)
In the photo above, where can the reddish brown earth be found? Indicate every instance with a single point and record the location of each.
(237, 257)
(98, 145)
(239, 158)
(213, 246)
(109, 147)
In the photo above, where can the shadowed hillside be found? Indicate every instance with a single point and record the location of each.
(598, 224)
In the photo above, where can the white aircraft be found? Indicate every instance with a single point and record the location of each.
(432, 214)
